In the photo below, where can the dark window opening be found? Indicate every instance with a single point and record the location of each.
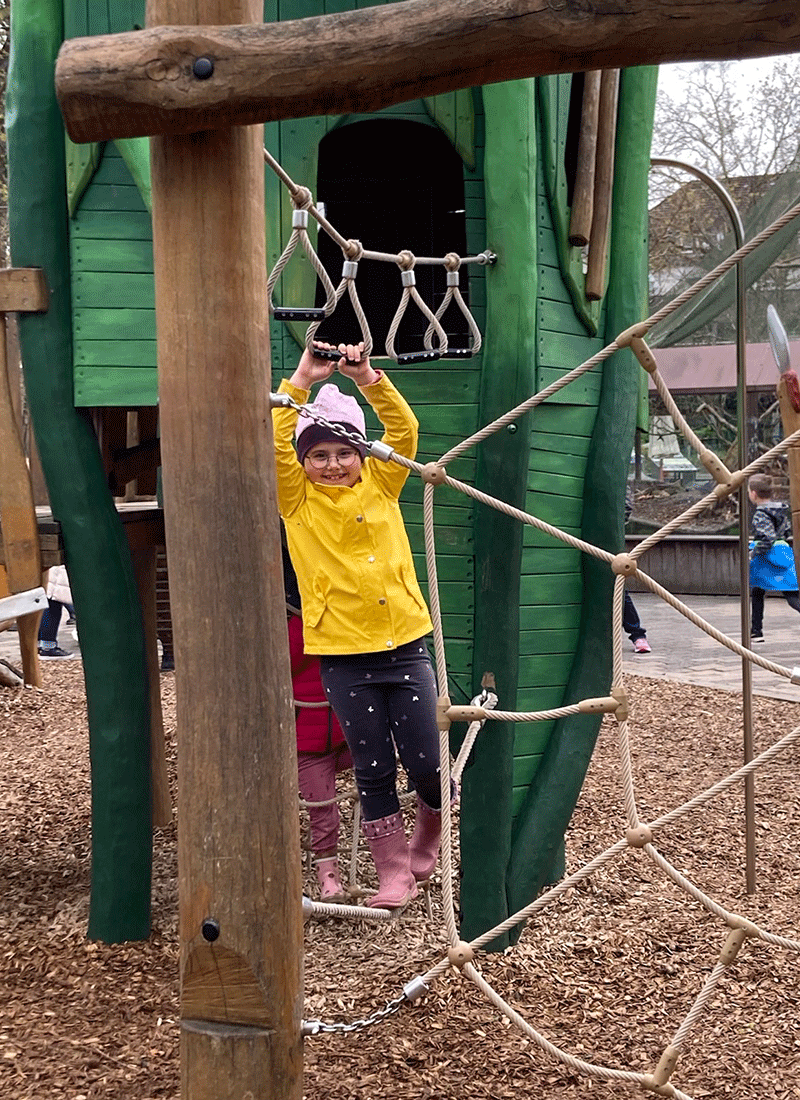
(573, 134)
(393, 185)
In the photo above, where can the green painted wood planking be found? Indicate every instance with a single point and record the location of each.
(548, 640)
(112, 256)
(116, 353)
(117, 387)
(555, 462)
(112, 198)
(557, 616)
(109, 324)
(132, 225)
(120, 290)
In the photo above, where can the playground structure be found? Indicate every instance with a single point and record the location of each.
(210, 195)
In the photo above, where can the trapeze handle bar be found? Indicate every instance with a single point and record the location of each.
(284, 313)
(418, 357)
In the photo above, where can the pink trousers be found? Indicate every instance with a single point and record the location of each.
(316, 777)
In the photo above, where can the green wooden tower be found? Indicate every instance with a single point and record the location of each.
(486, 168)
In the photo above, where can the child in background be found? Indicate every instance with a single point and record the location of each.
(771, 524)
(321, 749)
(363, 612)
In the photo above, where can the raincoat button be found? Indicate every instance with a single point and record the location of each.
(382, 601)
(371, 557)
(359, 519)
(390, 643)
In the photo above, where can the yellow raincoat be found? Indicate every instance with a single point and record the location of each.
(348, 544)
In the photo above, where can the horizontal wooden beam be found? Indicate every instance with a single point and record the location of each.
(23, 290)
(150, 82)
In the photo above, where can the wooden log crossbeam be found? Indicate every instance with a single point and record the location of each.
(184, 79)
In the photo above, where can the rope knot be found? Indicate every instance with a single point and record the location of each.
(353, 250)
(452, 261)
(406, 260)
(302, 198)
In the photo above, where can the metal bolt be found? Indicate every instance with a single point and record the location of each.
(203, 68)
(511, 429)
(210, 929)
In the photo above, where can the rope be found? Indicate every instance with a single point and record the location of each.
(405, 262)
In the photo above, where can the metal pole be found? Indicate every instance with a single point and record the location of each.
(744, 542)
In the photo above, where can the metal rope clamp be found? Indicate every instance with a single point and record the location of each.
(302, 201)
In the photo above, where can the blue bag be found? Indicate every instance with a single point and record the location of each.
(774, 571)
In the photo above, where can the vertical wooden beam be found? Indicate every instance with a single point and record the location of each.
(580, 225)
(144, 568)
(603, 185)
(238, 832)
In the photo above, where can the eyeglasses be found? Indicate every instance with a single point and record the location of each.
(322, 459)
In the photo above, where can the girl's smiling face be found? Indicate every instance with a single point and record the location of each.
(332, 463)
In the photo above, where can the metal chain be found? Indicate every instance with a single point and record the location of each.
(317, 1027)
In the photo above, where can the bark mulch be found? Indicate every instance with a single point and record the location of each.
(608, 973)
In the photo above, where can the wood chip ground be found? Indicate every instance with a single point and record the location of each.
(608, 973)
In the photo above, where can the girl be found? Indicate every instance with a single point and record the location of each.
(363, 612)
(321, 749)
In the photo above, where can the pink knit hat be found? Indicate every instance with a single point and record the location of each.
(337, 408)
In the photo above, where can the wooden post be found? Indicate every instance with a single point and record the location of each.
(23, 290)
(238, 830)
(603, 185)
(580, 224)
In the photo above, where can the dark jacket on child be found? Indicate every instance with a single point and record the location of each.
(771, 521)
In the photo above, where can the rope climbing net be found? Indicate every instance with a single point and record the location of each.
(636, 832)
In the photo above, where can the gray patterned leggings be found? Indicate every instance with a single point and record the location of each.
(383, 700)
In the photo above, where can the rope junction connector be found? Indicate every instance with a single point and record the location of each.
(663, 1071)
(717, 468)
(622, 712)
(462, 713)
(639, 330)
(308, 908)
(795, 677)
(443, 708)
(623, 565)
(732, 945)
(433, 473)
(460, 954)
(645, 356)
(639, 835)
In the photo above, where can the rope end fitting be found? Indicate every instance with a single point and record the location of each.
(433, 473)
(724, 488)
(460, 954)
(603, 704)
(623, 565)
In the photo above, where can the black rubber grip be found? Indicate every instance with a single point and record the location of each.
(327, 353)
(418, 357)
(280, 313)
(459, 353)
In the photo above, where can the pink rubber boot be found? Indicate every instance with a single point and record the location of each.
(424, 847)
(330, 885)
(387, 842)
